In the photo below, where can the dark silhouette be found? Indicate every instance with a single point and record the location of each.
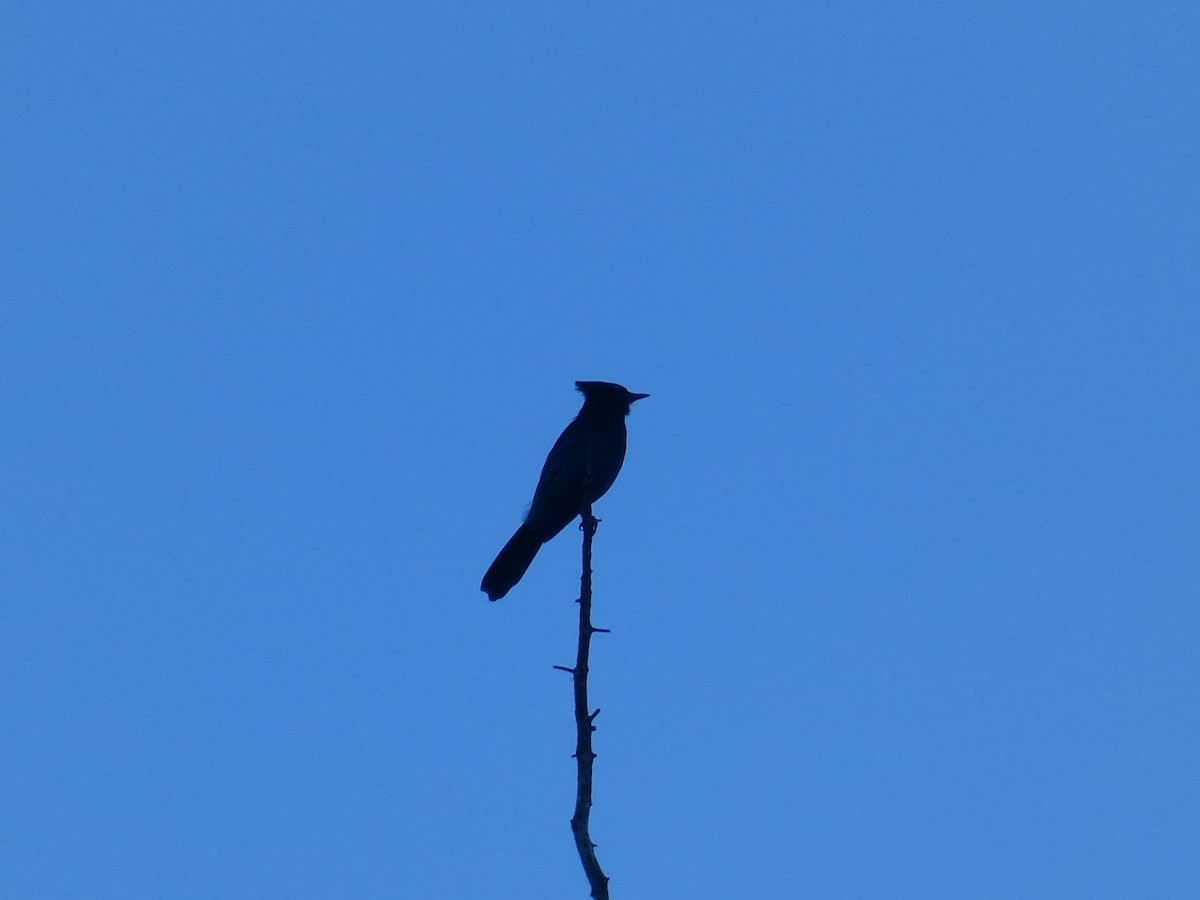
(581, 467)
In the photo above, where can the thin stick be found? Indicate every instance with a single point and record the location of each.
(584, 722)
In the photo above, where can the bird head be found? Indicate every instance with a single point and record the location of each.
(606, 395)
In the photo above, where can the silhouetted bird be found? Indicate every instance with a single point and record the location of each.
(581, 467)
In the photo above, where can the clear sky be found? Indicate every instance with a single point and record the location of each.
(903, 567)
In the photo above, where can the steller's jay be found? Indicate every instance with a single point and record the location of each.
(581, 467)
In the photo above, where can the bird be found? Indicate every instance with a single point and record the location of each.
(581, 467)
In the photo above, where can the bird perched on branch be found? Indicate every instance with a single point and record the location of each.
(581, 467)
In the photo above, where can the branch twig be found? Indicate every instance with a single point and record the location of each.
(584, 721)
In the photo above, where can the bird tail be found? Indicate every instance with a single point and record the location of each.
(511, 563)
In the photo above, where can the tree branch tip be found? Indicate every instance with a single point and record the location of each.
(601, 630)
(568, 669)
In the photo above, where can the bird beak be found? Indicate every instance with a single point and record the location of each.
(633, 397)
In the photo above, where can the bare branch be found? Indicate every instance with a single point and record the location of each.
(584, 754)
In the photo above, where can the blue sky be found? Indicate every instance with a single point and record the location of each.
(902, 568)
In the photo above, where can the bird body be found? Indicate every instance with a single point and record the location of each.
(581, 467)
